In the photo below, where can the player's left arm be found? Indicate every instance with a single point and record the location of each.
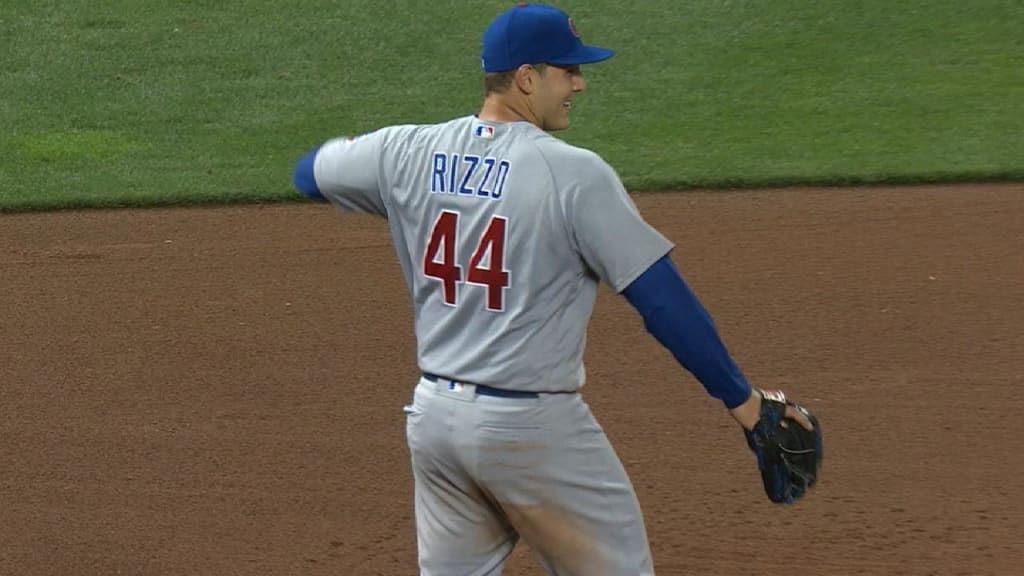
(346, 172)
(304, 176)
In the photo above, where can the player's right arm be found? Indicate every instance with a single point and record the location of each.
(674, 315)
(629, 255)
(345, 172)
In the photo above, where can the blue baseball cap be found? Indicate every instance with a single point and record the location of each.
(535, 34)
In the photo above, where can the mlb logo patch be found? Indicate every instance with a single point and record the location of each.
(484, 131)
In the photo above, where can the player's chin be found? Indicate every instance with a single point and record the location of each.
(558, 123)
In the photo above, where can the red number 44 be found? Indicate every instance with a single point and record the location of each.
(439, 260)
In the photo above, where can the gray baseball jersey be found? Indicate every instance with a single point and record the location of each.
(502, 232)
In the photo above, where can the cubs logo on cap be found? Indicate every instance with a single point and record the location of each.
(535, 34)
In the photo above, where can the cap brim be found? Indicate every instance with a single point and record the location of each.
(584, 55)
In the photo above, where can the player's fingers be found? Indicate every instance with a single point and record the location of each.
(800, 416)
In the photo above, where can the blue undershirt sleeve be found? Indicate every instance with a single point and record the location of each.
(304, 177)
(676, 318)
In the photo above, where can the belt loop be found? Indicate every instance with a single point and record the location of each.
(465, 388)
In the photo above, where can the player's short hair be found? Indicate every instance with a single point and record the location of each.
(499, 82)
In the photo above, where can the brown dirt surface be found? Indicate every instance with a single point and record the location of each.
(218, 391)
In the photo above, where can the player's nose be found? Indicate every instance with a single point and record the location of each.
(579, 84)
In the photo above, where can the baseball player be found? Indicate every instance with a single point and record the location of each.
(503, 233)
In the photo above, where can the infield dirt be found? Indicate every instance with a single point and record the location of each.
(218, 391)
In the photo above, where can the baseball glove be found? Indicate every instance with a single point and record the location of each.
(788, 455)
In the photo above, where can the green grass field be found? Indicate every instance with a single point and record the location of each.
(152, 102)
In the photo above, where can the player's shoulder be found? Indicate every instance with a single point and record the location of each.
(392, 133)
(412, 134)
(559, 149)
(398, 143)
(570, 162)
(564, 157)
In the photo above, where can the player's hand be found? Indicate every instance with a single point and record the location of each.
(748, 413)
(787, 441)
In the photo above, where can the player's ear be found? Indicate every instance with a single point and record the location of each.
(526, 78)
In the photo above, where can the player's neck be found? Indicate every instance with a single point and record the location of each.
(499, 109)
